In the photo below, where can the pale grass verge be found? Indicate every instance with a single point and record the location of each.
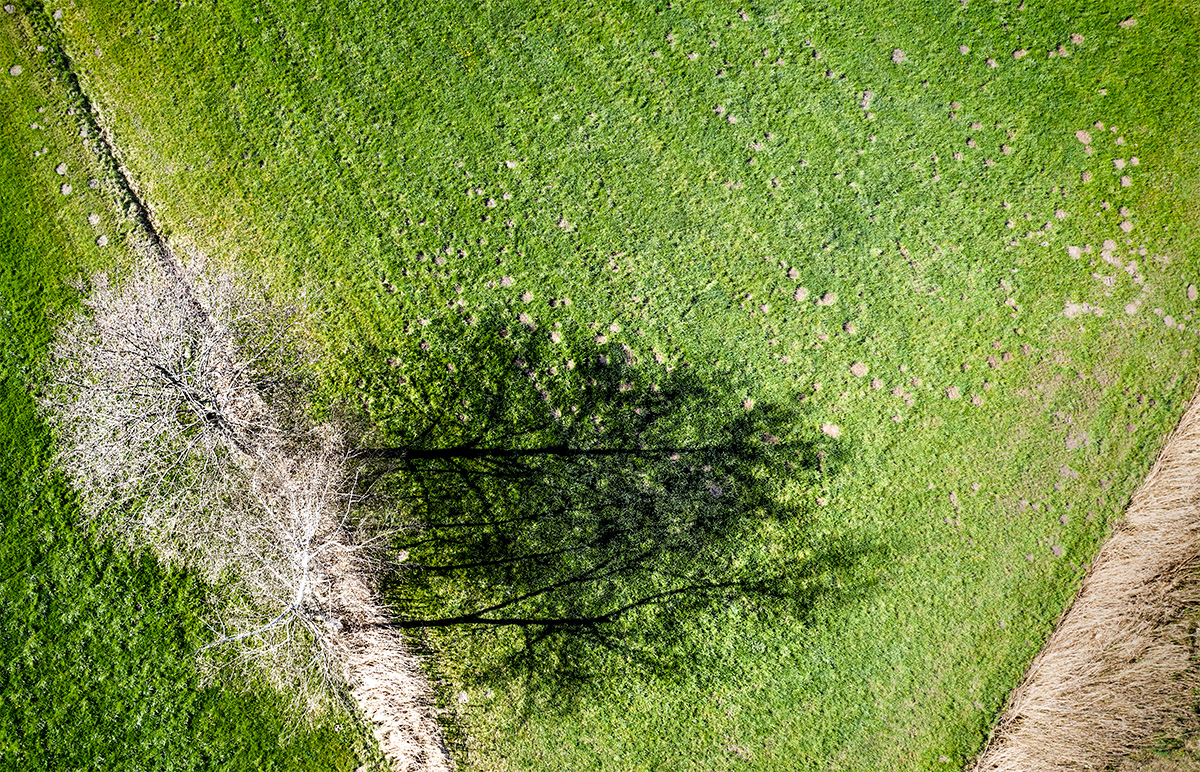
(389, 687)
(1120, 668)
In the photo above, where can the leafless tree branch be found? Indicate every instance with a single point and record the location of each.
(175, 401)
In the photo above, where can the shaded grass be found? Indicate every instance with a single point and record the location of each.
(600, 510)
(322, 143)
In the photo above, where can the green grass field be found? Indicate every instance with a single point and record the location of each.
(96, 645)
(759, 204)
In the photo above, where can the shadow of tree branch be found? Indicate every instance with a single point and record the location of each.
(597, 508)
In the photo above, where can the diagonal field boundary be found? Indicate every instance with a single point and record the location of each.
(383, 678)
(38, 25)
(1120, 668)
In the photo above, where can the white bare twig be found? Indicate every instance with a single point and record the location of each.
(171, 402)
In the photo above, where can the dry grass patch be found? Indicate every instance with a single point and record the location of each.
(1118, 670)
(178, 407)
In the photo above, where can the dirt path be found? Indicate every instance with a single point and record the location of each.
(1119, 669)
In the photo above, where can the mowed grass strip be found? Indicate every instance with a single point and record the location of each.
(906, 223)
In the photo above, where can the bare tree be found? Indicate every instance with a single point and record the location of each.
(172, 401)
(179, 404)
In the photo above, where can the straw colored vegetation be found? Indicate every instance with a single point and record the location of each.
(750, 386)
(178, 406)
(1120, 670)
(97, 641)
(1179, 755)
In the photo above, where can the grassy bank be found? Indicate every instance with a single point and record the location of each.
(97, 666)
(892, 220)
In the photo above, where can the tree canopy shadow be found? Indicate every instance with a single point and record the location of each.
(589, 509)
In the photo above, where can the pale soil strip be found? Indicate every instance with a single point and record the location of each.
(385, 679)
(1119, 669)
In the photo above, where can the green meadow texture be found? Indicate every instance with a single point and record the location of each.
(939, 259)
(97, 666)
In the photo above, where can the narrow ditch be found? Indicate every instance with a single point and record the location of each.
(40, 29)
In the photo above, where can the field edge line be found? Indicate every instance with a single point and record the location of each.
(1119, 667)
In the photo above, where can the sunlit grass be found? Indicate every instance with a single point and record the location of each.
(449, 168)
